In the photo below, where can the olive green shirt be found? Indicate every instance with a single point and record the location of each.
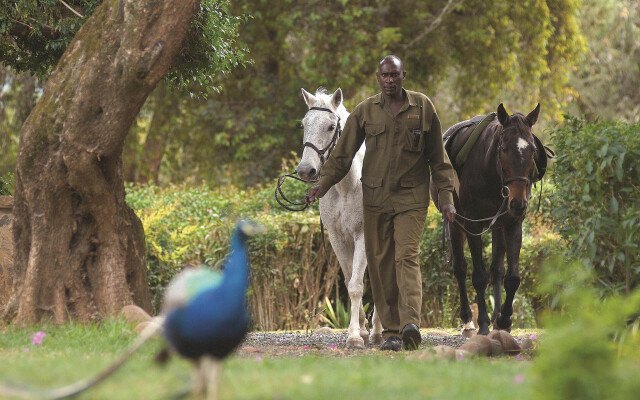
(400, 154)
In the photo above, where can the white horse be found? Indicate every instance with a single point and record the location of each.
(341, 206)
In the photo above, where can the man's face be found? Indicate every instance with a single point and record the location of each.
(390, 76)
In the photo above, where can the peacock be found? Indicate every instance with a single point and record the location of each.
(206, 312)
(204, 319)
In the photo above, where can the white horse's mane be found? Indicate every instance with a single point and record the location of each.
(323, 99)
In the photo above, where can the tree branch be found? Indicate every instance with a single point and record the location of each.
(435, 23)
(70, 8)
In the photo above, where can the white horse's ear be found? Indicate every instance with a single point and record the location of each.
(308, 98)
(336, 98)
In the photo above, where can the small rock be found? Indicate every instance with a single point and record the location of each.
(143, 325)
(463, 355)
(496, 348)
(134, 314)
(509, 343)
(527, 344)
(445, 352)
(323, 331)
(422, 355)
(479, 345)
(468, 333)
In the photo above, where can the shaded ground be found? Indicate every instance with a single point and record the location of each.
(297, 344)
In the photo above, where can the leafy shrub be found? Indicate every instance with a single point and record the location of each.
(597, 198)
(590, 349)
(291, 271)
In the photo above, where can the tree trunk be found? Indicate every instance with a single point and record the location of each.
(79, 249)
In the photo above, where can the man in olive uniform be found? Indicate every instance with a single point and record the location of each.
(403, 147)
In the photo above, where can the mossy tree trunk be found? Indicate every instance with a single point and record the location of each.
(79, 249)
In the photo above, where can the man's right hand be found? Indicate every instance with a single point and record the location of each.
(314, 193)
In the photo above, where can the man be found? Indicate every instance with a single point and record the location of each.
(403, 147)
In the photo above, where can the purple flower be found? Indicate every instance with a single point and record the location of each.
(258, 358)
(25, 350)
(460, 356)
(37, 337)
(519, 356)
(533, 336)
(208, 210)
(306, 347)
(518, 379)
(333, 346)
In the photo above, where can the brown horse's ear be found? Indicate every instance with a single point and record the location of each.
(336, 98)
(503, 116)
(533, 115)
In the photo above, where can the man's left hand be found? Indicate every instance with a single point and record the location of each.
(448, 212)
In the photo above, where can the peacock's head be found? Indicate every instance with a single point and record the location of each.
(250, 228)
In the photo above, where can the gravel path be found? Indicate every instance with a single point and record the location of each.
(300, 343)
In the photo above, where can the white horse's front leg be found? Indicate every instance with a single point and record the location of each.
(376, 332)
(355, 288)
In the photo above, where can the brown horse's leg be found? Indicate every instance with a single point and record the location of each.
(479, 279)
(497, 269)
(513, 238)
(460, 271)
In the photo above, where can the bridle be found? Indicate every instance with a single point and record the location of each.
(324, 155)
(504, 193)
(336, 135)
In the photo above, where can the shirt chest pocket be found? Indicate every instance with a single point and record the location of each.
(375, 139)
(414, 136)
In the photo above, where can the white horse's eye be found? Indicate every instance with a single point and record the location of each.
(331, 128)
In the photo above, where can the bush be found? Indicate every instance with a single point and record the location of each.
(596, 204)
(592, 347)
(291, 271)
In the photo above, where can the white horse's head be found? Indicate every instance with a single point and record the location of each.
(326, 116)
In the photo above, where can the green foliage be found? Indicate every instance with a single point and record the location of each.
(6, 184)
(596, 205)
(582, 355)
(339, 317)
(606, 77)
(35, 34)
(291, 277)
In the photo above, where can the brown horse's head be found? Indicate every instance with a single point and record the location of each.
(516, 158)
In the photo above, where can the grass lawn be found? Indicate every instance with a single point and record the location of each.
(74, 352)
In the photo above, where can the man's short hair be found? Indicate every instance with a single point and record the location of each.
(393, 59)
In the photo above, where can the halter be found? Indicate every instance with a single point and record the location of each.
(336, 135)
(503, 182)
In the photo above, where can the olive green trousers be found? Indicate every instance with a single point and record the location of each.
(392, 244)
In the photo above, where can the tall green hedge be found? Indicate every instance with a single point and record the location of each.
(291, 271)
(596, 204)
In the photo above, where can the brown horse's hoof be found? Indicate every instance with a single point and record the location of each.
(502, 327)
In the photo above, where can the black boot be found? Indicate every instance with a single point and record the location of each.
(393, 343)
(411, 337)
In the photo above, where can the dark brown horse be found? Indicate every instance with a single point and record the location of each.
(494, 188)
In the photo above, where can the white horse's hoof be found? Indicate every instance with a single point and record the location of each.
(355, 343)
(364, 334)
(376, 339)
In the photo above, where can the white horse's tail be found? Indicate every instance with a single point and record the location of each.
(79, 387)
